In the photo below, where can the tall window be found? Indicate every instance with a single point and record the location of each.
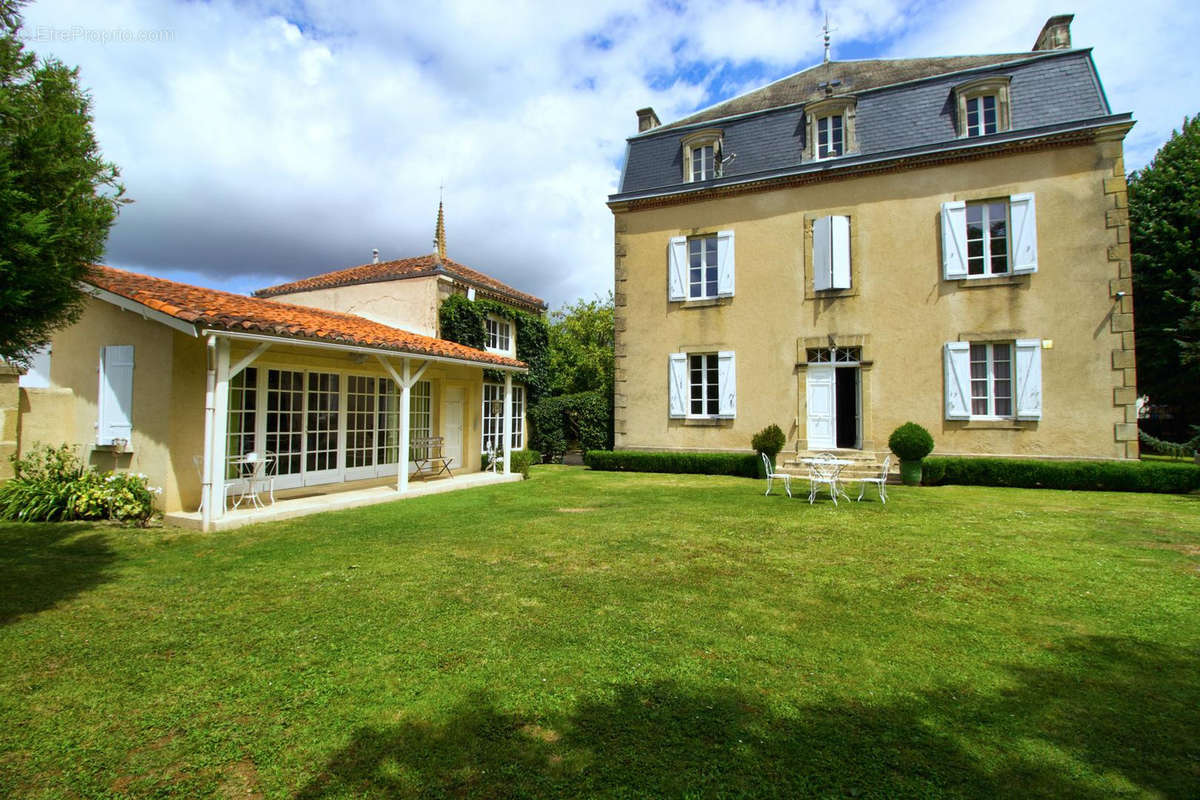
(420, 418)
(703, 382)
(702, 267)
(987, 238)
(285, 419)
(243, 413)
(493, 417)
(498, 335)
(830, 137)
(991, 379)
(702, 163)
(388, 421)
(360, 421)
(981, 115)
(321, 427)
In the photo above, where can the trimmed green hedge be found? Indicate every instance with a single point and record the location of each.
(1106, 476)
(585, 417)
(741, 464)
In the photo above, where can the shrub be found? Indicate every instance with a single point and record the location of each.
(520, 460)
(910, 442)
(1108, 476)
(745, 465)
(556, 422)
(769, 440)
(51, 484)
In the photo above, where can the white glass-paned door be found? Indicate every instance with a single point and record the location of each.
(284, 429)
(387, 442)
(361, 399)
(321, 428)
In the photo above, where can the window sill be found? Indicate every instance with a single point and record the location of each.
(702, 422)
(993, 280)
(705, 302)
(996, 424)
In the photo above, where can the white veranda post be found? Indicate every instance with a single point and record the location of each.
(214, 507)
(405, 433)
(507, 433)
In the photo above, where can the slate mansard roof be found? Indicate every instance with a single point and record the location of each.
(213, 309)
(903, 108)
(401, 269)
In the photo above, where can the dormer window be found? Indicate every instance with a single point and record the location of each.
(830, 141)
(702, 156)
(830, 128)
(983, 106)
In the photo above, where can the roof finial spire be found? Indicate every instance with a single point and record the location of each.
(439, 235)
(826, 30)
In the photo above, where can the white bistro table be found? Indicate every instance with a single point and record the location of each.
(826, 472)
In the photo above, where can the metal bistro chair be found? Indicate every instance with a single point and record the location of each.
(772, 475)
(491, 454)
(880, 481)
(823, 471)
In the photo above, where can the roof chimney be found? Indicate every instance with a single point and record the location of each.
(375, 255)
(647, 119)
(1056, 33)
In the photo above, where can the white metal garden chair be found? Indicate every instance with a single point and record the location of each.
(824, 470)
(772, 475)
(880, 481)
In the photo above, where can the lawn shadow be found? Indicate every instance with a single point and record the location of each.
(664, 740)
(45, 564)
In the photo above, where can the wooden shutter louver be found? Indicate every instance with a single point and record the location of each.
(958, 380)
(677, 268)
(954, 240)
(116, 394)
(677, 384)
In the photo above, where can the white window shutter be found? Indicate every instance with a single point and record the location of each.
(822, 256)
(726, 385)
(677, 380)
(954, 240)
(116, 394)
(725, 264)
(1029, 379)
(958, 380)
(677, 268)
(1023, 217)
(840, 252)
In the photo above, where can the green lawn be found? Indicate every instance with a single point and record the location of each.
(614, 635)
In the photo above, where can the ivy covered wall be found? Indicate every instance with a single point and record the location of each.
(462, 321)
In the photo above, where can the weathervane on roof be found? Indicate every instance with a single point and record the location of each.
(825, 31)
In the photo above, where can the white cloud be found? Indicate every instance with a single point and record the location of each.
(265, 141)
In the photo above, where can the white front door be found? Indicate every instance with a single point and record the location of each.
(452, 427)
(821, 388)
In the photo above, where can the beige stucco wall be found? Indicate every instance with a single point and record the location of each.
(410, 304)
(10, 417)
(66, 412)
(900, 310)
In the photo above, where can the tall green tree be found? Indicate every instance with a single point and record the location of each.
(58, 196)
(1164, 216)
(581, 347)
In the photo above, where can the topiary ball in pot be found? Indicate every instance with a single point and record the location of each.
(769, 441)
(911, 443)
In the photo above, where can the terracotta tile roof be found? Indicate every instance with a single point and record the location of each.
(212, 308)
(400, 269)
(855, 76)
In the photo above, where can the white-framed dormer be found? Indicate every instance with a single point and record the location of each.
(830, 128)
(702, 155)
(500, 336)
(982, 106)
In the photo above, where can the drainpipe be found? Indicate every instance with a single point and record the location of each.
(210, 409)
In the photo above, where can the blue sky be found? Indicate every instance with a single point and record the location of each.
(265, 141)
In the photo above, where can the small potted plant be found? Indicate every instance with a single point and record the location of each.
(911, 443)
(769, 441)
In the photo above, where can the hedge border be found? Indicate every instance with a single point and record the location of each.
(1090, 476)
(744, 465)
